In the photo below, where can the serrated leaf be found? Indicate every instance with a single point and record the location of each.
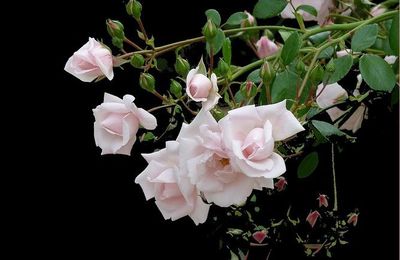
(326, 129)
(342, 67)
(309, 9)
(254, 76)
(377, 73)
(308, 165)
(269, 8)
(216, 42)
(364, 37)
(236, 18)
(227, 50)
(291, 48)
(214, 16)
(284, 86)
(394, 35)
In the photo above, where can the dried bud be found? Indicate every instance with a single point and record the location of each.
(115, 29)
(147, 82)
(137, 60)
(209, 30)
(267, 73)
(134, 8)
(175, 88)
(182, 66)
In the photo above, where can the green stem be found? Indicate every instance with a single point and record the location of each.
(335, 201)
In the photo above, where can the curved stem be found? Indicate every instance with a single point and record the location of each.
(160, 107)
(335, 201)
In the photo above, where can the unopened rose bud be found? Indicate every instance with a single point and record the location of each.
(134, 8)
(137, 60)
(147, 82)
(223, 67)
(175, 88)
(115, 29)
(118, 42)
(182, 66)
(250, 21)
(267, 73)
(330, 67)
(209, 30)
(322, 200)
(317, 74)
(265, 47)
(353, 219)
(199, 87)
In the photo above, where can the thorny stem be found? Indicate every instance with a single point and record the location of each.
(335, 201)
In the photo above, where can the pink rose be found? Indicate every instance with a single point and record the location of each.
(205, 161)
(322, 6)
(377, 10)
(201, 89)
(333, 94)
(117, 122)
(330, 95)
(265, 47)
(175, 196)
(249, 133)
(91, 61)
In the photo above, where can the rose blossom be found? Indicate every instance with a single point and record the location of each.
(333, 94)
(117, 122)
(202, 89)
(265, 47)
(91, 61)
(206, 162)
(175, 196)
(249, 134)
(322, 6)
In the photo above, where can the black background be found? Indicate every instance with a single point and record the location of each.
(90, 206)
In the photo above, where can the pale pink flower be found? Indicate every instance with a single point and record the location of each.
(323, 8)
(91, 61)
(377, 10)
(174, 195)
(322, 200)
(249, 133)
(265, 47)
(313, 217)
(117, 122)
(202, 89)
(206, 162)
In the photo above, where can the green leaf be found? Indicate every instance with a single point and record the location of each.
(364, 37)
(285, 34)
(377, 73)
(284, 86)
(236, 18)
(326, 129)
(227, 51)
(394, 35)
(319, 37)
(214, 16)
(148, 137)
(308, 165)
(342, 67)
(216, 42)
(254, 76)
(326, 53)
(269, 8)
(291, 48)
(309, 9)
